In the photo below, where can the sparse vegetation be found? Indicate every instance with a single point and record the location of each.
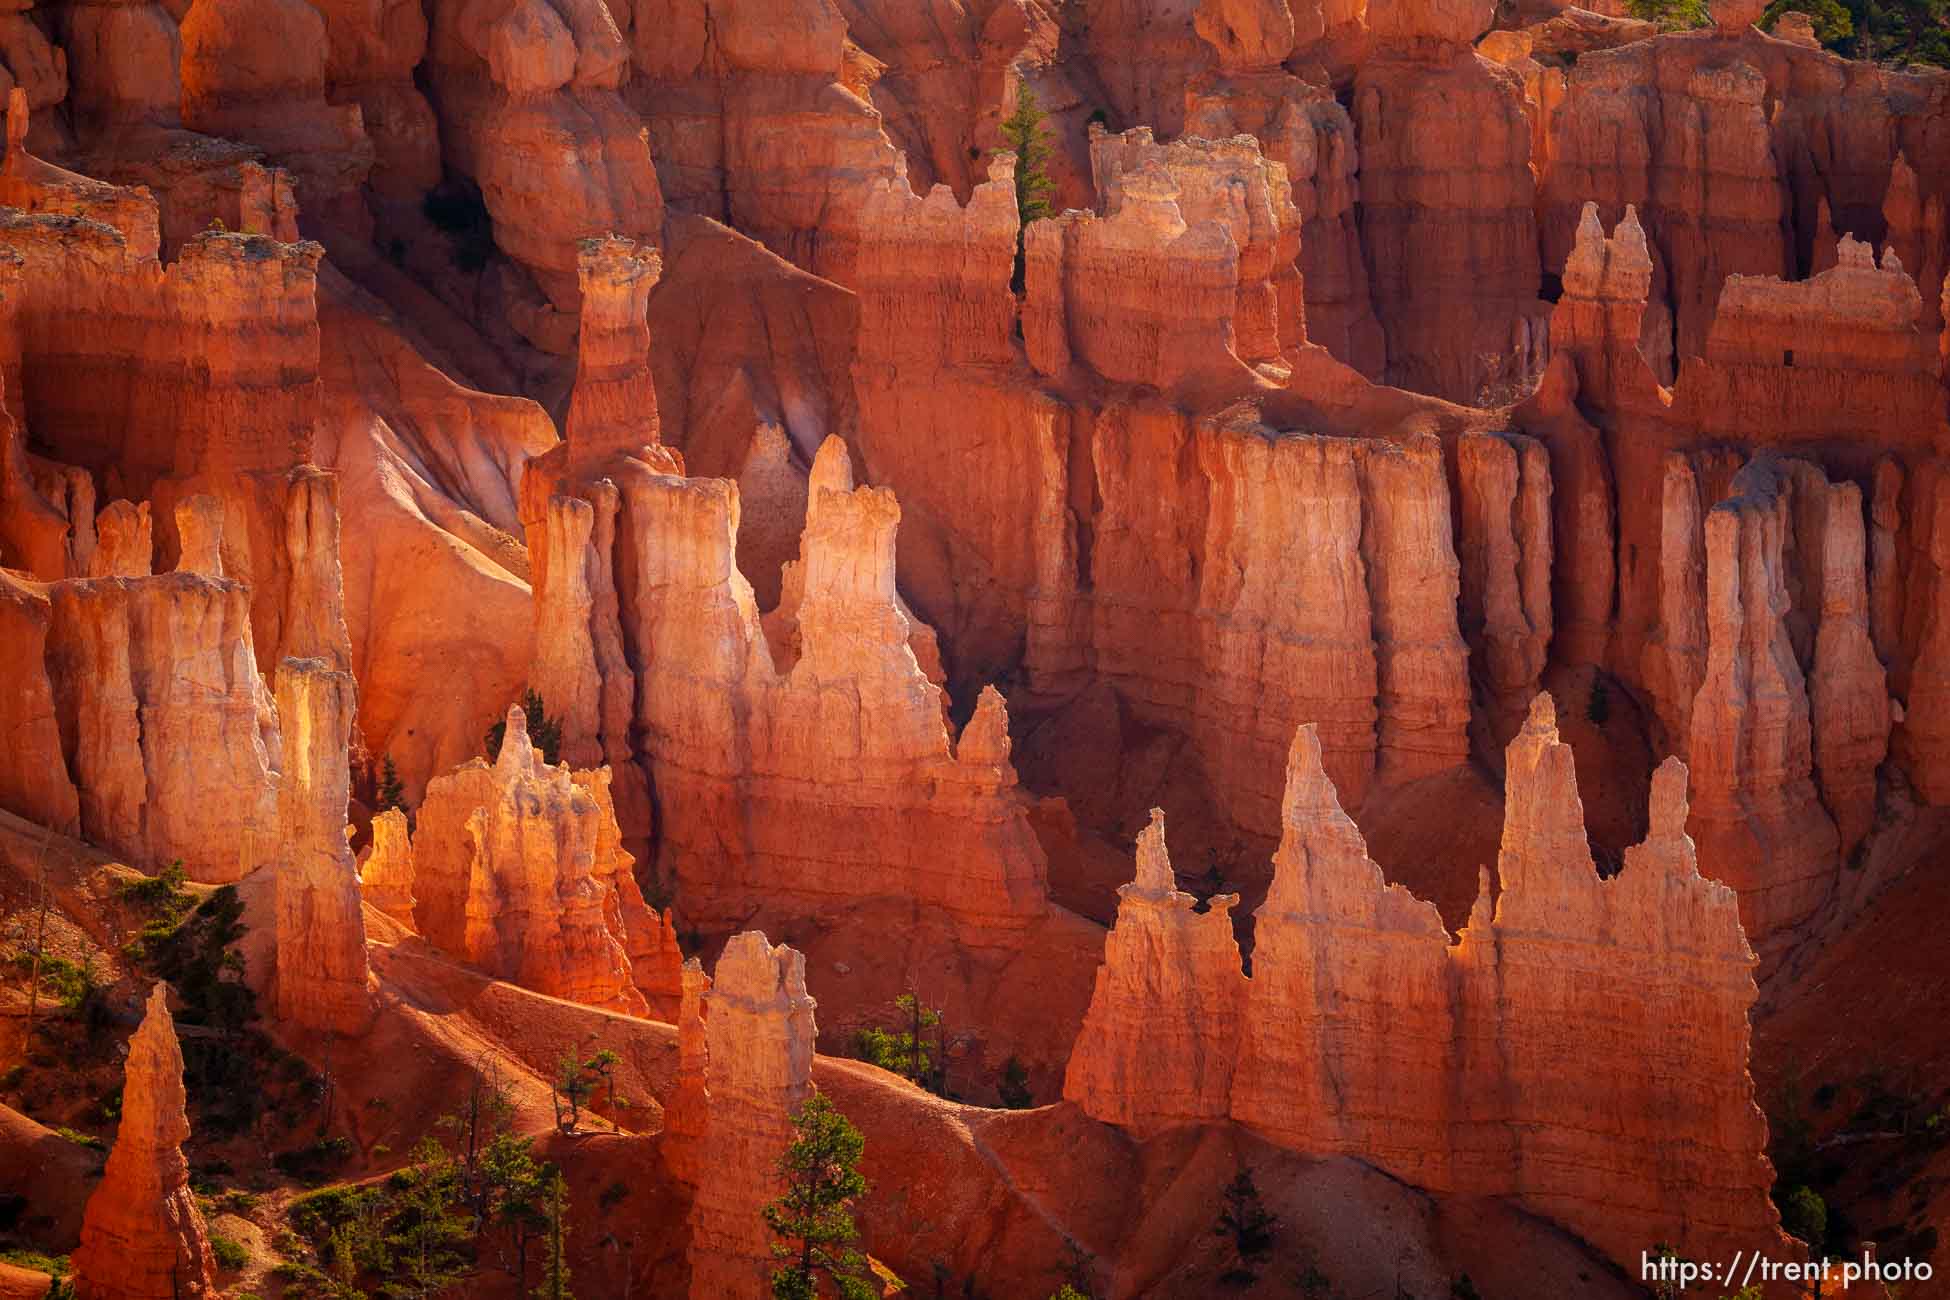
(79, 1138)
(1671, 15)
(904, 1047)
(231, 1254)
(1026, 136)
(392, 791)
(1014, 1088)
(813, 1220)
(1245, 1220)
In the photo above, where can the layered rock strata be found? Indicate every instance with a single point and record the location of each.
(1367, 1032)
(759, 1038)
(142, 1237)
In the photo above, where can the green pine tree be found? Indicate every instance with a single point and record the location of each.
(392, 790)
(813, 1220)
(555, 1268)
(1025, 134)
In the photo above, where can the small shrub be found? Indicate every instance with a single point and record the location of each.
(392, 790)
(10, 1078)
(35, 1261)
(1597, 708)
(1805, 1215)
(311, 1164)
(1014, 1088)
(231, 1254)
(79, 1138)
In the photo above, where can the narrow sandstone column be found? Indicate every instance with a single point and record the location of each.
(124, 547)
(142, 1237)
(321, 952)
(1849, 692)
(760, 1034)
(386, 881)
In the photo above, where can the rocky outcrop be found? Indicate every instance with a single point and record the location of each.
(1759, 824)
(515, 868)
(1856, 316)
(143, 1237)
(759, 1035)
(1367, 1032)
(386, 873)
(321, 933)
(1148, 293)
(1159, 1042)
(1603, 320)
(1675, 658)
(1505, 499)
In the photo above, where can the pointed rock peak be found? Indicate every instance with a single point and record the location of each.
(1668, 805)
(1154, 874)
(153, 1099)
(1890, 262)
(1310, 795)
(1542, 722)
(517, 756)
(695, 980)
(1591, 231)
(1630, 237)
(1543, 817)
(1901, 174)
(832, 468)
(985, 739)
(1852, 252)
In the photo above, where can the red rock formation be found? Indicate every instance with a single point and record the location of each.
(515, 870)
(321, 933)
(1923, 739)
(649, 937)
(804, 786)
(1916, 235)
(1847, 690)
(1210, 617)
(1885, 560)
(1227, 181)
(254, 71)
(530, 94)
(143, 1237)
(173, 732)
(1162, 1034)
(124, 547)
(1602, 320)
(1675, 657)
(1759, 825)
(760, 1040)
(1141, 295)
(1367, 1032)
(386, 872)
(1447, 224)
(34, 783)
(1315, 1071)
(687, 1111)
(1506, 507)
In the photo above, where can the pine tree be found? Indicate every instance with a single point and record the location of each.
(555, 1267)
(813, 1221)
(392, 790)
(1027, 137)
(544, 732)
